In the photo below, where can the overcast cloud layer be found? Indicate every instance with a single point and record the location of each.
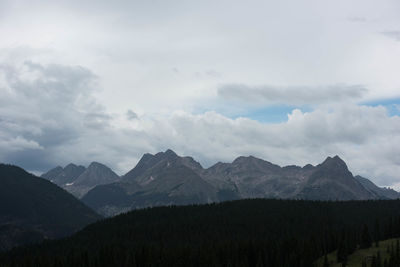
(108, 81)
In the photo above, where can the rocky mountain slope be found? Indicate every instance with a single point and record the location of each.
(33, 209)
(157, 180)
(380, 192)
(64, 176)
(167, 179)
(78, 180)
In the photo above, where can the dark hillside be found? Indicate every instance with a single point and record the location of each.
(32, 208)
(239, 233)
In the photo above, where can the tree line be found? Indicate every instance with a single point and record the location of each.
(257, 232)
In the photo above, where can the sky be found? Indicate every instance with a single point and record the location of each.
(291, 82)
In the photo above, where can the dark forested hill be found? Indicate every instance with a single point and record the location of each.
(254, 232)
(32, 209)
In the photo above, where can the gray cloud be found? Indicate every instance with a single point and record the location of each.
(131, 115)
(44, 107)
(49, 117)
(357, 19)
(97, 120)
(294, 95)
(392, 34)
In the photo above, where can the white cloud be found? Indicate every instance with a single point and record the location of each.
(12, 144)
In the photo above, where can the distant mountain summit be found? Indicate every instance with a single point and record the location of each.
(168, 179)
(95, 174)
(78, 180)
(160, 179)
(33, 209)
(332, 180)
(63, 176)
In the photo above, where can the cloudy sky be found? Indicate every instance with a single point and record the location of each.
(291, 82)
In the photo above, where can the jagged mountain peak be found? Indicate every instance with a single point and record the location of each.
(51, 174)
(253, 162)
(167, 154)
(95, 165)
(95, 174)
(165, 177)
(167, 159)
(71, 166)
(62, 176)
(247, 159)
(334, 162)
(335, 158)
(98, 167)
(170, 152)
(308, 167)
(147, 156)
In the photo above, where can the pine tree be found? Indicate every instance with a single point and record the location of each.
(373, 262)
(363, 263)
(378, 259)
(376, 233)
(365, 238)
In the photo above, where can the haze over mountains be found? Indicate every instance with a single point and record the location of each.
(168, 179)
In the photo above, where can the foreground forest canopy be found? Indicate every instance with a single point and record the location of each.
(255, 232)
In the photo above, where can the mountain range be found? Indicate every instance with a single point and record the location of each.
(168, 179)
(33, 209)
(78, 180)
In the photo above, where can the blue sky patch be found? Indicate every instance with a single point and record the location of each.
(271, 114)
(392, 105)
